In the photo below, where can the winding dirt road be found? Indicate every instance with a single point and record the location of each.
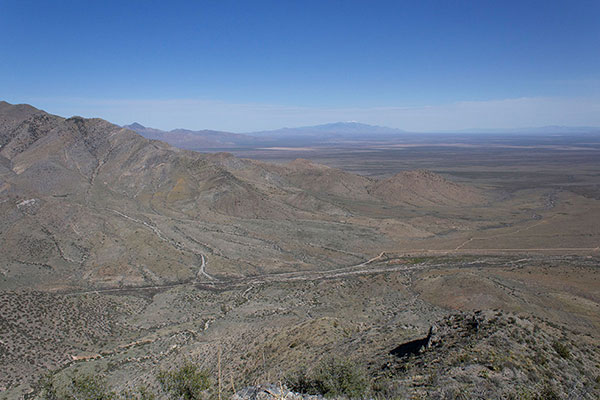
(203, 278)
(202, 269)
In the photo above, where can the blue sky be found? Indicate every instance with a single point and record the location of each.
(252, 65)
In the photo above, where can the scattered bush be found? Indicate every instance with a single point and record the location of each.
(561, 349)
(187, 383)
(142, 393)
(539, 358)
(90, 387)
(463, 358)
(48, 390)
(81, 387)
(332, 378)
(299, 381)
(548, 393)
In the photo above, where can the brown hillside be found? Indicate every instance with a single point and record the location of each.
(424, 188)
(322, 179)
(89, 203)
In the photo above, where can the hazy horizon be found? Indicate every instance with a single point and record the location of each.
(467, 130)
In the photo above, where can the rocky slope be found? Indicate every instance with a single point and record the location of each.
(424, 188)
(88, 203)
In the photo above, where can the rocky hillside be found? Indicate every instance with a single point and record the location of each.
(483, 355)
(88, 203)
(424, 188)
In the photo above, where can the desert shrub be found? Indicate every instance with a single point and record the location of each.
(89, 387)
(332, 378)
(187, 383)
(561, 349)
(539, 358)
(459, 393)
(142, 393)
(389, 389)
(548, 393)
(462, 358)
(80, 387)
(300, 381)
(48, 390)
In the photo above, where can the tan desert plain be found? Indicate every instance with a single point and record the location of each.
(125, 260)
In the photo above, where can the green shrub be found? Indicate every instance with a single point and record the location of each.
(539, 358)
(187, 383)
(561, 349)
(142, 393)
(48, 391)
(332, 378)
(90, 387)
(80, 387)
(299, 381)
(548, 393)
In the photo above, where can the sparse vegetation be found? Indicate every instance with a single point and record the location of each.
(333, 377)
(185, 383)
(548, 393)
(561, 349)
(188, 382)
(141, 393)
(80, 387)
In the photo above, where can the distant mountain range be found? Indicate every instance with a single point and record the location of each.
(189, 139)
(332, 130)
(319, 134)
(550, 129)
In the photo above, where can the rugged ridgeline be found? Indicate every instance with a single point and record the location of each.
(210, 139)
(88, 203)
(193, 140)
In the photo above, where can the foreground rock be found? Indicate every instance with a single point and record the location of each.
(271, 392)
